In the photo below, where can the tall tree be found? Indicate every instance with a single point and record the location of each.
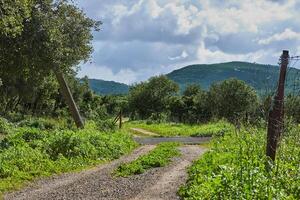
(56, 36)
(232, 99)
(152, 97)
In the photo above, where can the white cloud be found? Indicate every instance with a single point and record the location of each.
(183, 55)
(287, 34)
(147, 37)
(206, 55)
(94, 71)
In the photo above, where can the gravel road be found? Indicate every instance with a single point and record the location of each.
(97, 183)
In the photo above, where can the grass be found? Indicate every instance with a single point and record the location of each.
(27, 153)
(235, 168)
(158, 157)
(179, 129)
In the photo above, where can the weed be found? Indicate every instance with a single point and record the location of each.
(158, 157)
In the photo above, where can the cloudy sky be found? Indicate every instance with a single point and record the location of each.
(142, 38)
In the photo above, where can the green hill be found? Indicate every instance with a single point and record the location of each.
(108, 87)
(262, 77)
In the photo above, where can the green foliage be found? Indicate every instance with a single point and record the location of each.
(232, 99)
(31, 152)
(152, 96)
(12, 15)
(235, 168)
(106, 125)
(5, 126)
(292, 107)
(179, 129)
(52, 35)
(42, 123)
(158, 157)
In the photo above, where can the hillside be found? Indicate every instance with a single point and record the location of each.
(262, 77)
(108, 87)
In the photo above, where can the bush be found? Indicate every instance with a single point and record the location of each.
(32, 152)
(43, 123)
(106, 125)
(4, 126)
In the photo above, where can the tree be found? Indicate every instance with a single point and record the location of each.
(152, 97)
(195, 104)
(55, 37)
(232, 99)
(12, 15)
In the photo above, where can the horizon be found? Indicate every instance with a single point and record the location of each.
(142, 39)
(129, 84)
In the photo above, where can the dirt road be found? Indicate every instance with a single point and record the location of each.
(97, 183)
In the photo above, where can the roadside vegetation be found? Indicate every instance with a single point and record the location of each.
(30, 152)
(158, 157)
(179, 129)
(38, 138)
(236, 168)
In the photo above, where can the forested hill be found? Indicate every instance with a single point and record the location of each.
(262, 77)
(108, 87)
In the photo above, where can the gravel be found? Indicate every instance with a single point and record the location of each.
(98, 183)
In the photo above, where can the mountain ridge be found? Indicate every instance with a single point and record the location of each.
(262, 77)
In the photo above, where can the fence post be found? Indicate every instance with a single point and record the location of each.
(66, 93)
(275, 122)
(120, 123)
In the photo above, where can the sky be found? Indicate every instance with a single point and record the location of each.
(143, 38)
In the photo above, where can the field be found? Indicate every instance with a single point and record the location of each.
(180, 129)
(236, 168)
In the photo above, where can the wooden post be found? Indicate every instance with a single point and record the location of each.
(66, 93)
(120, 123)
(275, 123)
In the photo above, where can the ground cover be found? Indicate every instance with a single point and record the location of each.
(28, 152)
(158, 157)
(236, 168)
(180, 129)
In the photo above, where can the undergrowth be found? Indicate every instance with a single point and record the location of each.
(179, 129)
(34, 150)
(235, 168)
(158, 157)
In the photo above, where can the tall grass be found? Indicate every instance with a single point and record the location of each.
(179, 129)
(29, 152)
(235, 168)
(158, 157)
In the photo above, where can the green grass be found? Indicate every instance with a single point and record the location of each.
(27, 153)
(179, 129)
(235, 168)
(158, 157)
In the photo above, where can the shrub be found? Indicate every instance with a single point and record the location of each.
(4, 126)
(106, 125)
(31, 152)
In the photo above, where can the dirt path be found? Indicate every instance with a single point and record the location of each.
(173, 177)
(97, 183)
(144, 132)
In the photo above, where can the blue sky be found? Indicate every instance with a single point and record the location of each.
(142, 38)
